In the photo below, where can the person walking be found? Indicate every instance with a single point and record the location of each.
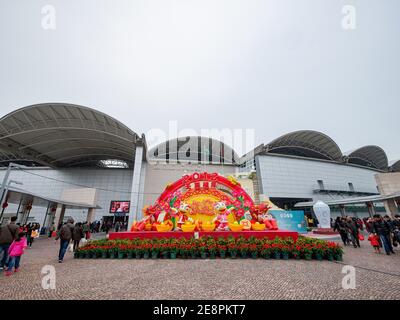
(28, 232)
(7, 235)
(108, 226)
(382, 229)
(51, 230)
(77, 234)
(352, 230)
(339, 226)
(396, 231)
(374, 240)
(15, 252)
(65, 236)
(117, 226)
(86, 230)
(34, 234)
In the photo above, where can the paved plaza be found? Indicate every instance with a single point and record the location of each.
(377, 277)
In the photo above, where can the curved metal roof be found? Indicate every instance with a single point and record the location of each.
(64, 135)
(395, 166)
(306, 143)
(369, 156)
(194, 149)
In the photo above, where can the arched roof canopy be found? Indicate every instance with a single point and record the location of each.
(395, 166)
(194, 149)
(64, 135)
(369, 156)
(306, 143)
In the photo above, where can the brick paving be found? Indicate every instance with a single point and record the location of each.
(377, 277)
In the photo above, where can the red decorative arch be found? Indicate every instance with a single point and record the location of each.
(205, 180)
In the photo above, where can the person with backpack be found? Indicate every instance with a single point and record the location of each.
(65, 236)
(15, 252)
(7, 235)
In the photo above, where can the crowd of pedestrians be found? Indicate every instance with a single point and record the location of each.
(383, 232)
(14, 238)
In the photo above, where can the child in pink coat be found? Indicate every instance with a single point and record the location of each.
(15, 252)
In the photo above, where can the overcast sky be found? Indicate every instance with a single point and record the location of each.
(272, 66)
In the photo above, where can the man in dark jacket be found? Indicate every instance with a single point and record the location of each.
(7, 235)
(77, 234)
(352, 229)
(382, 229)
(65, 236)
(339, 226)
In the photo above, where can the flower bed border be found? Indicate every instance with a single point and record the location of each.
(210, 248)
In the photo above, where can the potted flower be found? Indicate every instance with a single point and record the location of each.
(318, 251)
(286, 249)
(212, 248)
(222, 250)
(183, 249)
(253, 250)
(146, 246)
(78, 253)
(164, 249)
(276, 249)
(113, 252)
(243, 249)
(96, 252)
(296, 251)
(307, 252)
(232, 249)
(202, 249)
(104, 252)
(173, 249)
(266, 250)
(335, 251)
(154, 250)
(130, 252)
(138, 250)
(121, 251)
(193, 249)
(88, 252)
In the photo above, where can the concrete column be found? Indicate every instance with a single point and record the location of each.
(391, 208)
(342, 210)
(137, 181)
(23, 216)
(371, 209)
(91, 214)
(59, 216)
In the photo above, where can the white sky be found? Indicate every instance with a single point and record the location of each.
(272, 66)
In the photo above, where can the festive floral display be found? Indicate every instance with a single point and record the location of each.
(209, 247)
(199, 199)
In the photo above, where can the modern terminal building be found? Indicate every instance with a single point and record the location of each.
(59, 160)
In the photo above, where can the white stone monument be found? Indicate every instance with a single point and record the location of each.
(323, 214)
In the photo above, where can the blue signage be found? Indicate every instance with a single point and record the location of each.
(290, 220)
